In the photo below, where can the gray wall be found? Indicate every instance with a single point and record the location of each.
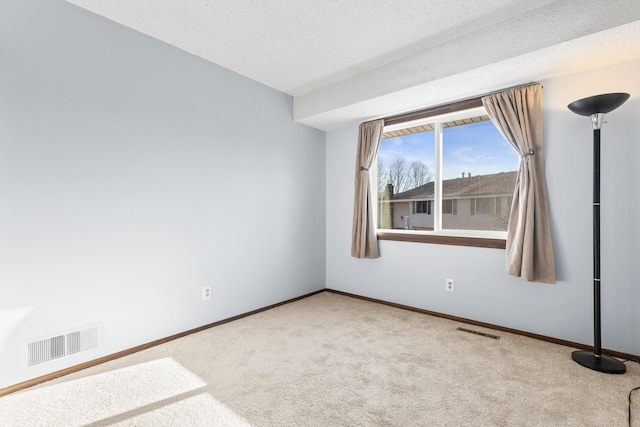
(131, 175)
(414, 273)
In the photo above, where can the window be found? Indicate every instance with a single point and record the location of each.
(489, 206)
(450, 207)
(449, 174)
(422, 207)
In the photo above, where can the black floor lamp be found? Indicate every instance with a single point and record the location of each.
(596, 107)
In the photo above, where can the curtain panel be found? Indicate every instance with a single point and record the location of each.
(517, 113)
(364, 243)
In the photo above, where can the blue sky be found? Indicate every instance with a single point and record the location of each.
(476, 148)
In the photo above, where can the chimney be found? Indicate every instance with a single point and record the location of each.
(463, 174)
(388, 191)
(387, 208)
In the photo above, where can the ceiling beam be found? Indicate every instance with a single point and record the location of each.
(538, 44)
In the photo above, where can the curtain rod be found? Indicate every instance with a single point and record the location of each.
(510, 88)
(476, 101)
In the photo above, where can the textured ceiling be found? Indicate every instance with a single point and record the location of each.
(345, 61)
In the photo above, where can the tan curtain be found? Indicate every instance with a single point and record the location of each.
(364, 243)
(517, 113)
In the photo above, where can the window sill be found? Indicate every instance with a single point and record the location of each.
(479, 242)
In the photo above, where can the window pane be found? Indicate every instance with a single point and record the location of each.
(447, 207)
(477, 176)
(478, 169)
(405, 176)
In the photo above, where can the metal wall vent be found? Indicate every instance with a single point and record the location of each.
(495, 337)
(61, 345)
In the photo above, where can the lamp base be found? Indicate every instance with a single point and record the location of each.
(605, 364)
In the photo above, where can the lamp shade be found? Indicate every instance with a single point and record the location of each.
(598, 103)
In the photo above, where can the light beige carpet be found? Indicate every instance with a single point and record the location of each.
(332, 360)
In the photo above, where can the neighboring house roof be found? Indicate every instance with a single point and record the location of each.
(482, 185)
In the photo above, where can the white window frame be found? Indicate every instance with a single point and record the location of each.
(437, 121)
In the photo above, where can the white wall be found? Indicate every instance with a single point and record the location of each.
(131, 175)
(414, 273)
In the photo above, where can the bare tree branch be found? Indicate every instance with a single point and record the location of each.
(419, 174)
(403, 176)
(382, 178)
(398, 174)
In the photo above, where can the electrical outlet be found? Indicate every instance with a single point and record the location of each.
(206, 293)
(451, 285)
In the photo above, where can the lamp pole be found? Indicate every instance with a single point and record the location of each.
(596, 107)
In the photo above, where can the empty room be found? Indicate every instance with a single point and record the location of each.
(319, 213)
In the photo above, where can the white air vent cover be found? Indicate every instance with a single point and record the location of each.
(63, 344)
